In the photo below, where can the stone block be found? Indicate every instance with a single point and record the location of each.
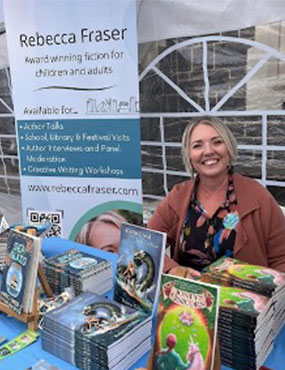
(228, 54)
(278, 193)
(248, 33)
(150, 130)
(174, 159)
(174, 128)
(152, 183)
(9, 146)
(12, 166)
(173, 180)
(151, 156)
(14, 186)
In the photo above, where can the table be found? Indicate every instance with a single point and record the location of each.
(22, 360)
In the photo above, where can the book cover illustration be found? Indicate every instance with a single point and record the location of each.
(80, 270)
(233, 271)
(40, 229)
(97, 324)
(139, 266)
(186, 325)
(268, 277)
(242, 300)
(104, 316)
(76, 262)
(20, 342)
(15, 272)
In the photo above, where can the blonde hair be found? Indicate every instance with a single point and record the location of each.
(223, 131)
(110, 217)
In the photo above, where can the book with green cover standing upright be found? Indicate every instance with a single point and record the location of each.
(187, 325)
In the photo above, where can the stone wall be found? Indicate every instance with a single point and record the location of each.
(227, 65)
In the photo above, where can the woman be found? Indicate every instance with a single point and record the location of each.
(219, 212)
(102, 232)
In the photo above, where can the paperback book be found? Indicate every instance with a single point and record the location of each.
(97, 333)
(139, 267)
(43, 365)
(232, 272)
(79, 270)
(186, 328)
(20, 271)
(252, 310)
(92, 331)
(40, 229)
(245, 328)
(20, 342)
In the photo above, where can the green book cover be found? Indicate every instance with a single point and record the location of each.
(229, 269)
(186, 325)
(242, 301)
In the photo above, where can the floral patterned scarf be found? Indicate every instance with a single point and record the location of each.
(205, 239)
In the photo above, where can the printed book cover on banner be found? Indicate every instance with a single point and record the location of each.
(20, 271)
(140, 262)
(186, 326)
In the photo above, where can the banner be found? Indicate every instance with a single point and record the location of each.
(75, 90)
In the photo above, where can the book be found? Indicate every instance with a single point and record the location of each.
(20, 271)
(20, 342)
(233, 272)
(46, 304)
(40, 229)
(43, 365)
(252, 310)
(139, 267)
(79, 270)
(93, 332)
(186, 327)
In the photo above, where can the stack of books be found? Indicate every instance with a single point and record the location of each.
(92, 332)
(78, 270)
(245, 328)
(20, 271)
(252, 310)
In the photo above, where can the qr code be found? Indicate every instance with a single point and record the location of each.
(55, 218)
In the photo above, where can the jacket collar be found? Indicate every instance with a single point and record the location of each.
(243, 189)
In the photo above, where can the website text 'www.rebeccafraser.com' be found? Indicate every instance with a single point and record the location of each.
(82, 189)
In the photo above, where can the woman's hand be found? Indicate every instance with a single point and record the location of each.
(186, 272)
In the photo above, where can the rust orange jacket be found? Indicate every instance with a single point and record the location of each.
(260, 237)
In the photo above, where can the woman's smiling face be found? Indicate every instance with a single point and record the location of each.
(208, 153)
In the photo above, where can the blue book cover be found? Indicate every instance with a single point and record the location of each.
(90, 324)
(15, 271)
(140, 262)
(77, 263)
